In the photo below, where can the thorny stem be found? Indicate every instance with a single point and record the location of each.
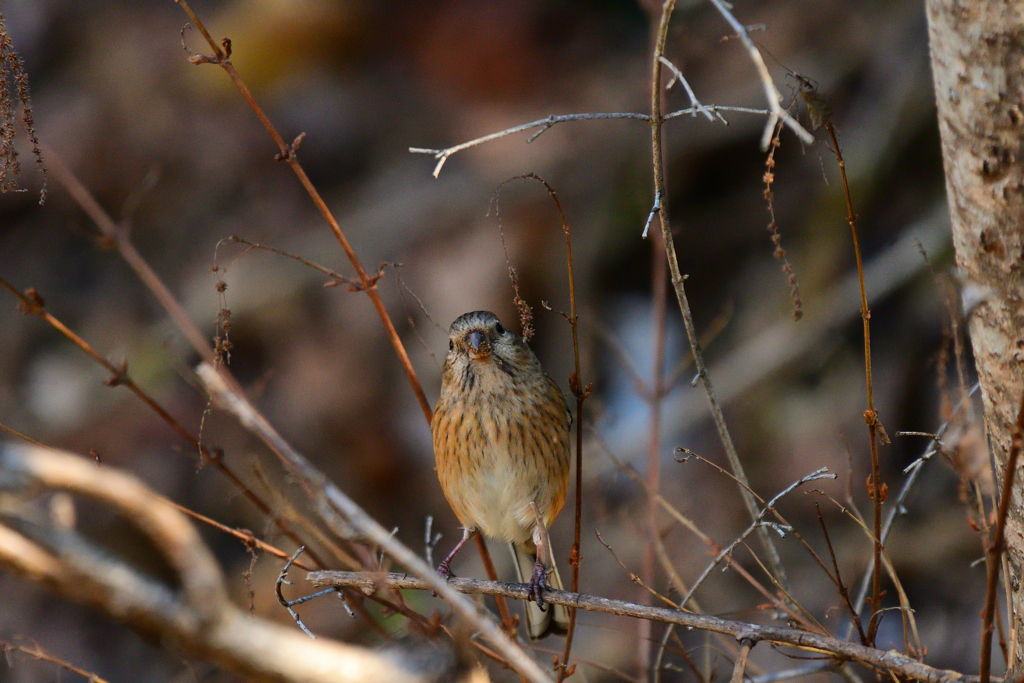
(288, 154)
(870, 416)
(684, 305)
(995, 549)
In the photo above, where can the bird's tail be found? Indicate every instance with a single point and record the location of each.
(553, 618)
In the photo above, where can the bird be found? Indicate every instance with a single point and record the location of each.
(501, 445)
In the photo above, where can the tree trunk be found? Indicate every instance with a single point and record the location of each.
(977, 50)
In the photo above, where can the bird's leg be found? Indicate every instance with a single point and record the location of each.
(539, 583)
(539, 580)
(444, 569)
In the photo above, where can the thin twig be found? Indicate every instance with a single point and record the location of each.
(632, 575)
(336, 278)
(890, 660)
(544, 124)
(659, 304)
(996, 548)
(282, 578)
(741, 661)
(677, 75)
(855, 618)
(870, 415)
(288, 153)
(778, 112)
(32, 303)
(906, 613)
(442, 154)
(670, 635)
(684, 305)
(37, 652)
(758, 523)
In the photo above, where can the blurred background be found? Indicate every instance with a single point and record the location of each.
(172, 149)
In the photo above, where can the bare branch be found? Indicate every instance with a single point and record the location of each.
(198, 615)
(886, 661)
(778, 113)
(38, 653)
(677, 75)
(741, 661)
(678, 280)
(544, 124)
(758, 523)
(442, 154)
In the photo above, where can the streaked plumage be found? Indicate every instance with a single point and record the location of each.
(501, 441)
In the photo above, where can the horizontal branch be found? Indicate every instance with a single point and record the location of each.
(890, 661)
(544, 124)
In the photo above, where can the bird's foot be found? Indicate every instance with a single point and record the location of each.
(539, 584)
(444, 571)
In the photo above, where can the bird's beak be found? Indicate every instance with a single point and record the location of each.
(476, 338)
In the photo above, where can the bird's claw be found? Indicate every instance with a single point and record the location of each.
(539, 584)
(444, 571)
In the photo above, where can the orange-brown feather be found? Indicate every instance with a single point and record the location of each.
(501, 433)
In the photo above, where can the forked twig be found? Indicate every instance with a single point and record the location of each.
(282, 578)
(677, 75)
(287, 153)
(684, 305)
(778, 112)
(546, 123)
(758, 523)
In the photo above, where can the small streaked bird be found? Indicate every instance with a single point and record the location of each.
(501, 442)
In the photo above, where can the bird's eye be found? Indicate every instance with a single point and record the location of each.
(498, 328)
(451, 345)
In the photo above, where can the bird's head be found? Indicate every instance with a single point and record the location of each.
(479, 336)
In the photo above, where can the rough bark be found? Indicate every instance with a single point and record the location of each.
(977, 49)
